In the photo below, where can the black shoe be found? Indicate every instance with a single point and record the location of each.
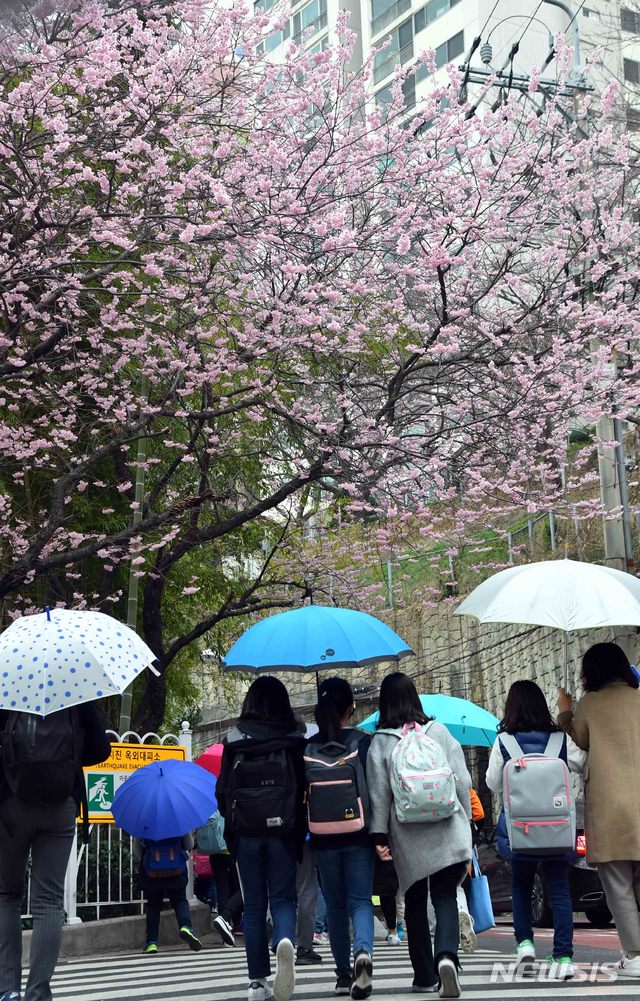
(343, 984)
(307, 957)
(362, 974)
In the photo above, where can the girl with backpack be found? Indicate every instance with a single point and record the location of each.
(338, 810)
(528, 720)
(427, 834)
(163, 873)
(260, 793)
(606, 724)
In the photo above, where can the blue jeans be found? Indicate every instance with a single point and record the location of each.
(555, 873)
(346, 875)
(177, 899)
(268, 876)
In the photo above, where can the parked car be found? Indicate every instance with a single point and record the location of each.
(587, 894)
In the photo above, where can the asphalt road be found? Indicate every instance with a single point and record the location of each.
(217, 974)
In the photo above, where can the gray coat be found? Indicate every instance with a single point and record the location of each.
(419, 849)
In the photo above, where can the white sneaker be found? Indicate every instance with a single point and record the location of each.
(225, 930)
(393, 940)
(628, 967)
(449, 980)
(525, 958)
(285, 978)
(468, 940)
(259, 990)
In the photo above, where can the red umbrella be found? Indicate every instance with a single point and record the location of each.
(211, 759)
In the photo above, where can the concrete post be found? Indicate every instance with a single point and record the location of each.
(186, 738)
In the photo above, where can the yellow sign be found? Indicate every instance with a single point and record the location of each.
(104, 780)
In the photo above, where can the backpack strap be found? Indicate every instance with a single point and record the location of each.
(511, 745)
(556, 745)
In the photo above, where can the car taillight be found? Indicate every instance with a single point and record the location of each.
(581, 845)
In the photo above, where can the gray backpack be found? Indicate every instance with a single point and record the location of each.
(538, 805)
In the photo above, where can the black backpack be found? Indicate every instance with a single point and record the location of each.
(337, 794)
(42, 755)
(262, 795)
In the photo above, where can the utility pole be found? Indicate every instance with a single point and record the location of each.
(134, 580)
(618, 547)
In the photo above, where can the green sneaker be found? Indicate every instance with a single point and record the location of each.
(187, 935)
(559, 967)
(150, 948)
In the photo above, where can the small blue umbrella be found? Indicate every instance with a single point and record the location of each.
(470, 724)
(315, 638)
(165, 799)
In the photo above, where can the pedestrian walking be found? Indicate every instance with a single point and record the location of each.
(385, 886)
(260, 793)
(163, 875)
(338, 814)
(320, 935)
(528, 728)
(606, 725)
(210, 839)
(307, 893)
(41, 791)
(426, 833)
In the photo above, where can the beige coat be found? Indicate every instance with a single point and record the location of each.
(607, 725)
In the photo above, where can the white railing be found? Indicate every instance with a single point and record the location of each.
(101, 876)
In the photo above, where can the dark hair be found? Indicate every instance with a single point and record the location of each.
(399, 702)
(335, 696)
(526, 709)
(268, 699)
(604, 663)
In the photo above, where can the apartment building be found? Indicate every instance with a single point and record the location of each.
(612, 27)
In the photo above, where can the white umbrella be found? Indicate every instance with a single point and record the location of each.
(62, 658)
(562, 594)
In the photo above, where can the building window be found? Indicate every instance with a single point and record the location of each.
(384, 97)
(431, 12)
(445, 53)
(312, 17)
(631, 70)
(630, 20)
(633, 120)
(261, 6)
(593, 15)
(383, 13)
(400, 50)
(277, 38)
(320, 45)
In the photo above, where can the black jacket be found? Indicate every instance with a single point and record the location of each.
(96, 747)
(258, 737)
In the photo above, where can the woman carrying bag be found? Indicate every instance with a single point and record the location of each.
(527, 720)
(606, 724)
(430, 842)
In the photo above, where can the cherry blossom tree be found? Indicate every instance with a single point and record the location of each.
(245, 280)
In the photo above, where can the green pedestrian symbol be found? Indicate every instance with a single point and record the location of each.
(100, 792)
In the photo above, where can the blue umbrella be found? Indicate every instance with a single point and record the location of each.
(165, 800)
(315, 638)
(470, 724)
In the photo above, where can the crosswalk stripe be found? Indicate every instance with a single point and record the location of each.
(221, 975)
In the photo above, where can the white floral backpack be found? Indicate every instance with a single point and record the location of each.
(422, 782)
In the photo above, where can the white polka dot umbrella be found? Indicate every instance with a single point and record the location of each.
(62, 658)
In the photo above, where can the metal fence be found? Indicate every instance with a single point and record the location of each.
(101, 875)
